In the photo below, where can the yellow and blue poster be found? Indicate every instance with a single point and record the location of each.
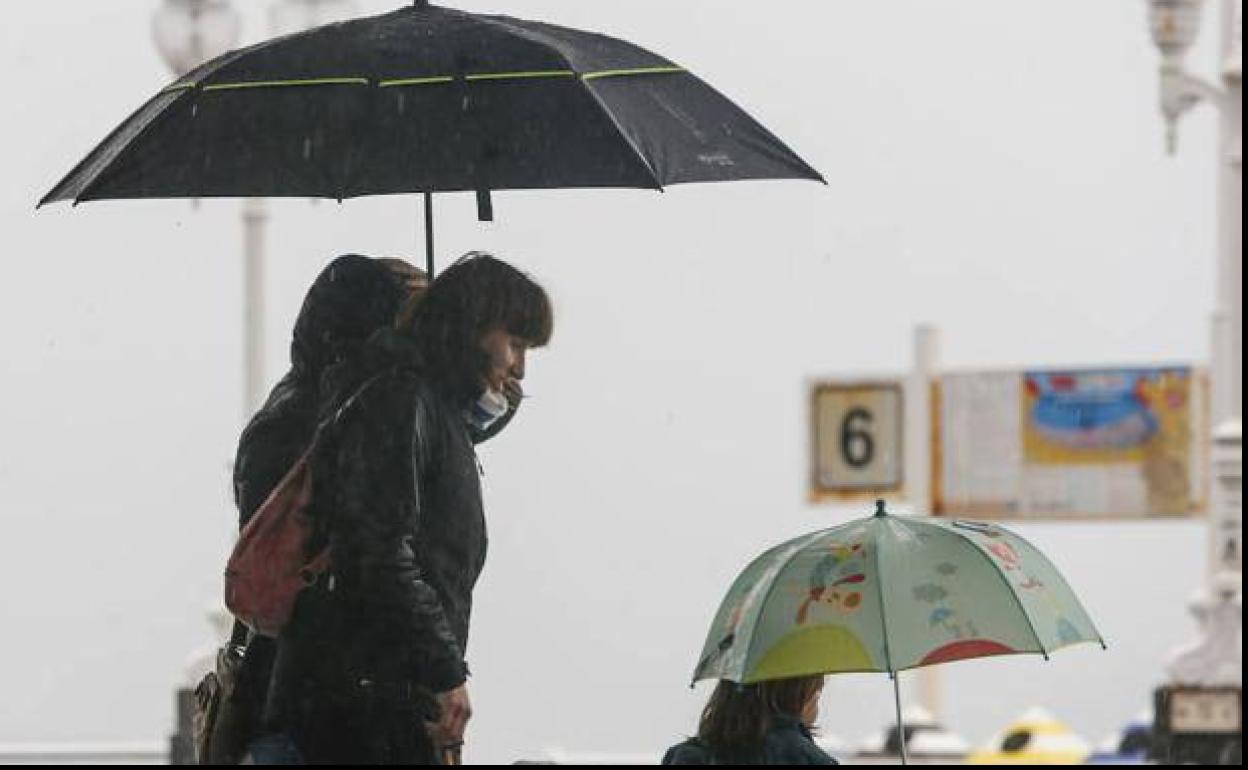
(1094, 443)
(1104, 416)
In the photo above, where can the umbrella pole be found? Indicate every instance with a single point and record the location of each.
(901, 727)
(429, 234)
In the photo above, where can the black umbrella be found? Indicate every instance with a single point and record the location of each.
(428, 99)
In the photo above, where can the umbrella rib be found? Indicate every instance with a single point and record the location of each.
(879, 589)
(89, 184)
(633, 71)
(645, 162)
(102, 172)
(525, 75)
(521, 75)
(796, 549)
(423, 81)
(615, 123)
(1073, 596)
(348, 81)
(1009, 589)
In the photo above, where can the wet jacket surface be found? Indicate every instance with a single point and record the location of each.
(398, 493)
(788, 742)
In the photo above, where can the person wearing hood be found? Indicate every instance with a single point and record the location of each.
(352, 298)
(371, 667)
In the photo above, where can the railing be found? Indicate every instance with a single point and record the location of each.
(113, 753)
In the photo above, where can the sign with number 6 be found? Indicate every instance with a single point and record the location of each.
(858, 434)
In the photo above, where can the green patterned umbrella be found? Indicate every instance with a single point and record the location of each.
(890, 593)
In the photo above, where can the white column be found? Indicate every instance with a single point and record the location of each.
(1227, 502)
(1228, 403)
(918, 469)
(1222, 406)
(918, 459)
(255, 216)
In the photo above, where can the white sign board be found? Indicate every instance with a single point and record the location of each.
(1205, 711)
(857, 431)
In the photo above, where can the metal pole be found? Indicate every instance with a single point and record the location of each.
(918, 475)
(255, 215)
(901, 727)
(429, 234)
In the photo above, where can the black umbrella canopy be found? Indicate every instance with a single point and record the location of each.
(429, 99)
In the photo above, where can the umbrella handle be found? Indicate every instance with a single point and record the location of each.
(901, 727)
(429, 234)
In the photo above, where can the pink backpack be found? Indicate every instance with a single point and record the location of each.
(270, 565)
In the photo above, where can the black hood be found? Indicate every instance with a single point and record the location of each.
(351, 298)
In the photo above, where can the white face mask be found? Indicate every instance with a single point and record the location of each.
(487, 409)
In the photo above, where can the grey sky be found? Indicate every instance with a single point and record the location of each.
(994, 168)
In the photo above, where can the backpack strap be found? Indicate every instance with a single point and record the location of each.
(241, 635)
(332, 421)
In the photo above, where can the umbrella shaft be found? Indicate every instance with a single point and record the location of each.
(901, 727)
(429, 234)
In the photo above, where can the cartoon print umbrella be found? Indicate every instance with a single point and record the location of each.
(887, 594)
(428, 99)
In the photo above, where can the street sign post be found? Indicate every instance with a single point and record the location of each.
(858, 437)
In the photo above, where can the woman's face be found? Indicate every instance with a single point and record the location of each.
(505, 353)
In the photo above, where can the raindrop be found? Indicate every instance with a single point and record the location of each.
(307, 148)
(402, 103)
(194, 110)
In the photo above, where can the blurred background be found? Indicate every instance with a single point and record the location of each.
(997, 171)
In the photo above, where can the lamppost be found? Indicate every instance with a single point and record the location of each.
(188, 33)
(286, 16)
(1196, 714)
(1175, 24)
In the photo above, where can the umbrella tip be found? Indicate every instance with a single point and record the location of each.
(879, 508)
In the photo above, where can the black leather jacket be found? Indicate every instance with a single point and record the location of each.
(398, 494)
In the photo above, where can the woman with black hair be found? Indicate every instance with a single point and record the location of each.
(371, 669)
(767, 723)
